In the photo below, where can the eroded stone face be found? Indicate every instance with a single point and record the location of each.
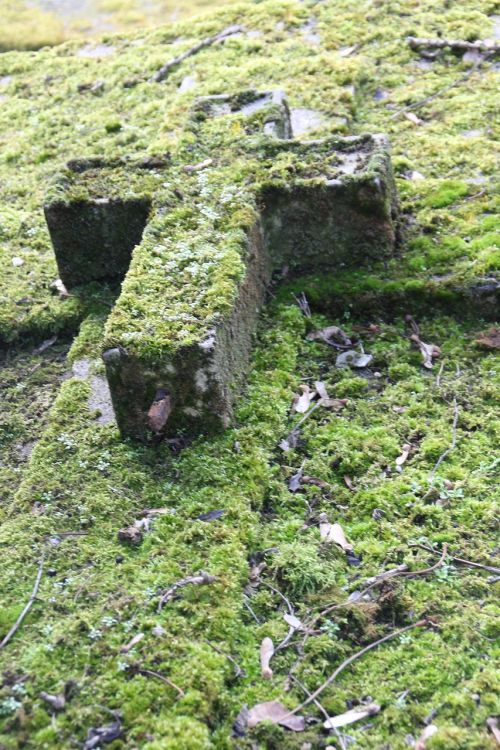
(180, 336)
(93, 239)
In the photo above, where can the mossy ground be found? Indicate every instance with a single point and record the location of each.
(31, 25)
(96, 594)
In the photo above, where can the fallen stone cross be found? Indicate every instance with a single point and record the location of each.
(195, 236)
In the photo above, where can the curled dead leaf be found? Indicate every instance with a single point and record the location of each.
(130, 645)
(331, 335)
(302, 400)
(333, 533)
(56, 702)
(489, 339)
(429, 351)
(426, 735)
(276, 713)
(293, 621)
(405, 452)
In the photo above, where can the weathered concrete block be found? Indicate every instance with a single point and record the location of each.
(178, 341)
(93, 233)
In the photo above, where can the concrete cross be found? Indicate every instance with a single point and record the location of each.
(196, 245)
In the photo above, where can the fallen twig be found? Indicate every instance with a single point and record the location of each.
(439, 92)
(446, 452)
(291, 611)
(162, 678)
(353, 658)
(302, 302)
(425, 571)
(163, 72)
(321, 708)
(238, 671)
(26, 609)
(247, 605)
(401, 570)
(461, 560)
(201, 579)
(460, 45)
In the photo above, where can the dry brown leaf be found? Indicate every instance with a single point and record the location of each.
(58, 286)
(412, 117)
(56, 702)
(293, 621)
(349, 483)
(277, 714)
(337, 404)
(426, 735)
(130, 645)
(333, 533)
(489, 339)
(266, 654)
(428, 351)
(349, 717)
(316, 482)
(405, 452)
(302, 401)
(331, 335)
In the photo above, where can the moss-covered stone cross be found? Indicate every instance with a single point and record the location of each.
(196, 234)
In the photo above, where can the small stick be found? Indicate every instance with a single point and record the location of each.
(199, 580)
(417, 43)
(446, 452)
(152, 673)
(308, 414)
(321, 708)
(461, 560)
(239, 671)
(163, 72)
(302, 302)
(291, 611)
(27, 608)
(400, 571)
(247, 605)
(437, 93)
(350, 660)
(425, 571)
(438, 379)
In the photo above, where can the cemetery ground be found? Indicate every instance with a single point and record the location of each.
(349, 513)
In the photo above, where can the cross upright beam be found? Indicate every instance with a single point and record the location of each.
(204, 239)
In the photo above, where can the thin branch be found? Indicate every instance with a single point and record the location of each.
(198, 580)
(425, 571)
(291, 611)
(460, 45)
(247, 605)
(351, 659)
(461, 560)
(162, 678)
(239, 671)
(27, 608)
(437, 93)
(438, 379)
(446, 452)
(163, 72)
(321, 708)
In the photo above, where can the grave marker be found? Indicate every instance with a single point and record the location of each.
(208, 236)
